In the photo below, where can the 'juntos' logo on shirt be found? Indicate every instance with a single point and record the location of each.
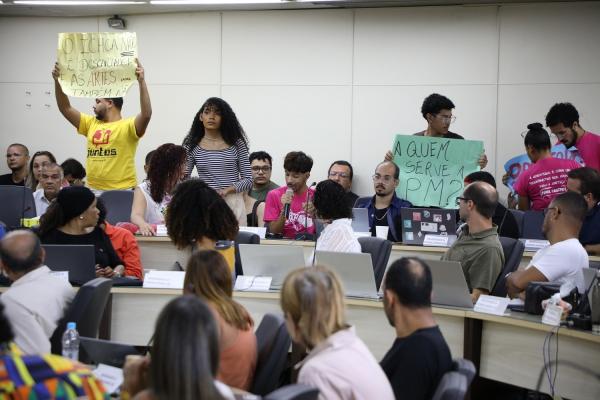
(101, 137)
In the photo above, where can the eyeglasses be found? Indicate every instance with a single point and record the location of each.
(446, 118)
(384, 178)
(265, 168)
(340, 174)
(458, 199)
(551, 208)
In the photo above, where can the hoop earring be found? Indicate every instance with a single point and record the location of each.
(80, 217)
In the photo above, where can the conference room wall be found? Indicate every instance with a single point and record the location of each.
(335, 83)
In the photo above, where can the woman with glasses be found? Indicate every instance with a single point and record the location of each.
(339, 364)
(547, 177)
(218, 147)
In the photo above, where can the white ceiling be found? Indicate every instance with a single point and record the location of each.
(9, 9)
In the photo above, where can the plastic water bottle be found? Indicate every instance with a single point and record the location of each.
(70, 342)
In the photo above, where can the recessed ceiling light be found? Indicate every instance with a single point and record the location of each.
(75, 3)
(194, 2)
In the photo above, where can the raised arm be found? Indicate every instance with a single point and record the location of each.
(62, 100)
(143, 118)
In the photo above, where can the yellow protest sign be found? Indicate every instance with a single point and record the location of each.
(97, 64)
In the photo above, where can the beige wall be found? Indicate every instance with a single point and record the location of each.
(334, 83)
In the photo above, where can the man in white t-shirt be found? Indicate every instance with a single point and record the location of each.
(563, 260)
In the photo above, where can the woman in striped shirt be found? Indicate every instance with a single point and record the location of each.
(218, 147)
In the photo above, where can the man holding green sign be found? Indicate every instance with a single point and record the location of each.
(432, 170)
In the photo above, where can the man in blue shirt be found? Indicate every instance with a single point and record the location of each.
(384, 207)
(586, 182)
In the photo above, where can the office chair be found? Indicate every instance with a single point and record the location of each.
(118, 205)
(513, 252)
(380, 250)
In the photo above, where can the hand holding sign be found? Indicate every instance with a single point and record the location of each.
(432, 170)
(97, 64)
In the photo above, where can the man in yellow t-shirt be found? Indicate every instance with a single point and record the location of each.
(111, 140)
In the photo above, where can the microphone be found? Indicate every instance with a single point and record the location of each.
(286, 207)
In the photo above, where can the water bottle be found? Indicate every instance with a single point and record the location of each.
(70, 342)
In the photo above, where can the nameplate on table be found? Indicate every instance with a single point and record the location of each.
(535, 244)
(260, 231)
(253, 283)
(552, 315)
(361, 234)
(161, 230)
(111, 377)
(164, 279)
(436, 240)
(491, 304)
(62, 275)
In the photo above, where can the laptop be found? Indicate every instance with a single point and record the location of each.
(449, 284)
(271, 260)
(360, 220)
(428, 226)
(98, 351)
(78, 259)
(354, 269)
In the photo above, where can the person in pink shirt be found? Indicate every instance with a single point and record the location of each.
(547, 177)
(563, 121)
(289, 209)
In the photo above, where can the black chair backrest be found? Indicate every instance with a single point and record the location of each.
(118, 205)
(243, 238)
(513, 252)
(86, 311)
(94, 351)
(518, 214)
(595, 264)
(453, 386)
(380, 250)
(17, 203)
(532, 225)
(273, 342)
(294, 392)
(465, 367)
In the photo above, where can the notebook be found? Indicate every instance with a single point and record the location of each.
(272, 260)
(79, 260)
(449, 284)
(354, 269)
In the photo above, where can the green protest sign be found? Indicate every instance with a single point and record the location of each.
(97, 64)
(432, 169)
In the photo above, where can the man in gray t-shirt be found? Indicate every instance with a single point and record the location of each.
(261, 166)
(478, 248)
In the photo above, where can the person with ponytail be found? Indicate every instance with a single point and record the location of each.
(218, 147)
(198, 217)
(72, 219)
(546, 178)
(208, 277)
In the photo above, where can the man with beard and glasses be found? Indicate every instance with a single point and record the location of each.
(111, 140)
(384, 207)
(419, 356)
(563, 121)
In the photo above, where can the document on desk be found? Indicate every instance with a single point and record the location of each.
(62, 275)
(435, 240)
(535, 244)
(161, 230)
(111, 377)
(491, 304)
(253, 283)
(164, 279)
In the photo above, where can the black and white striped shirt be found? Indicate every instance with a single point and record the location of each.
(222, 168)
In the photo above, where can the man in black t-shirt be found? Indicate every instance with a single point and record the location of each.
(419, 356)
(17, 159)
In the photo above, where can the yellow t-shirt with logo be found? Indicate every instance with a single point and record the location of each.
(111, 146)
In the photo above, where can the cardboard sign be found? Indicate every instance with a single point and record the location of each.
(432, 170)
(97, 64)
